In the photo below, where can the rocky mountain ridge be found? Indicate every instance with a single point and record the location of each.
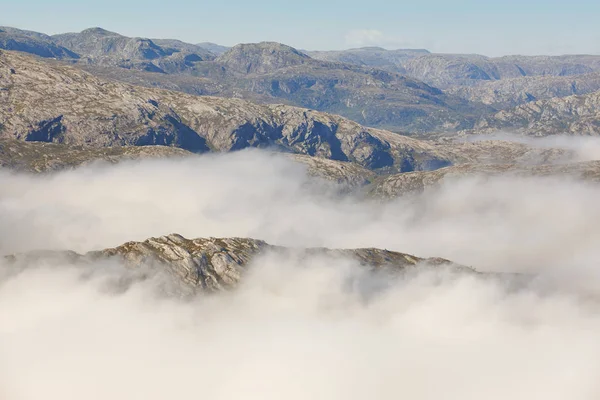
(216, 264)
(273, 73)
(57, 103)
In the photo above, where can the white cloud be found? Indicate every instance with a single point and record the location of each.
(300, 328)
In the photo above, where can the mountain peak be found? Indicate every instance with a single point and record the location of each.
(97, 31)
(262, 57)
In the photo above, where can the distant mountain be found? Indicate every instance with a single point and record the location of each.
(448, 70)
(98, 42)
(73, 107)
(363, 87)
(213, 47)
(377, 57)
(275, 73)
(445, 70)
(32, 42)
(262, 58)
(507, 93)
(573, 115)
(101, 47)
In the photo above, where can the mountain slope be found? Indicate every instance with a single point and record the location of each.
(56, 103)
(573, 115)
(44, 157)
(401, 184)
(508, 93)
(40, 157)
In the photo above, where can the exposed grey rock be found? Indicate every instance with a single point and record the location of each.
(214, 264)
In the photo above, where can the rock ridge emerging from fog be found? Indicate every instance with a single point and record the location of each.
(215, 264)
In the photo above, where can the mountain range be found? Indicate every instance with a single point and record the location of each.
(410, 91)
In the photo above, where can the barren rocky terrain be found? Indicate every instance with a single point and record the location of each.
(215, 264)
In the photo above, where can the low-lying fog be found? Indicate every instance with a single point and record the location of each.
(301, 331)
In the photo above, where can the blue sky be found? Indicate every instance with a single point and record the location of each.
(465, 26)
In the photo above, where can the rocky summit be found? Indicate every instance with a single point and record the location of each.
(215, 264)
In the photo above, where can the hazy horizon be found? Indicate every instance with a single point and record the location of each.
(527, 28)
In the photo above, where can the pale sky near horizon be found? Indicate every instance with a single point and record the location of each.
(459, 26)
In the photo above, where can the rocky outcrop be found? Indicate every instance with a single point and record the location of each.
(215, 264)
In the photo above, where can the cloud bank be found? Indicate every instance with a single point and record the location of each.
(300, 328)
